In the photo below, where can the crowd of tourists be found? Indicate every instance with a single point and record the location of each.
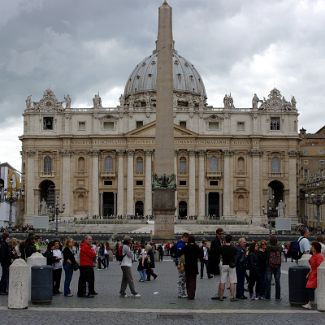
(233, 263)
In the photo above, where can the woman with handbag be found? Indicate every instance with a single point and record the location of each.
(69, 265)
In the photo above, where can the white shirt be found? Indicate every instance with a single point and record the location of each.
(58, 265)
(304, 244)
(205, 253)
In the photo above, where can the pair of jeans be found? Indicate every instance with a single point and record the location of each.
(143, 275)
(127, 279)
(4, 278)
(276, 272)
(68, 271)
(240, 272)
(204, 262)
(57, 280)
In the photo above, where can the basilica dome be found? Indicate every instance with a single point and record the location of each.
(186, 78)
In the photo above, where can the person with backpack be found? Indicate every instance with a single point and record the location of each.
(273, 267)
(304, 244)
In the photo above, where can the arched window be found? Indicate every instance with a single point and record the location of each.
(47, 165)
(81, 164)
(139, 165)
(213, 164)
(108, 164)
(182, 165)
(241, 165)
(276, 165)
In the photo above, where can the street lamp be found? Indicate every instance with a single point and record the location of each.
(317, 200)
(58, 209)
(11, 195)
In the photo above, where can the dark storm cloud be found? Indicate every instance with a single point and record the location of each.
(81, 47)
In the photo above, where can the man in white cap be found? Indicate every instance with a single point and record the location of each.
(126, 266)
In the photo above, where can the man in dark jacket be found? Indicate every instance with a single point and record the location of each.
(5, 263)
(205, 252)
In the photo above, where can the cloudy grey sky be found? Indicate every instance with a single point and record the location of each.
(80, 47)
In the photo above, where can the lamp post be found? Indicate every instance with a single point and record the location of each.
(56, 210)
(11, 195)
(317, 200)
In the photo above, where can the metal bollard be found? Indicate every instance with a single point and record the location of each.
(18, 285)
(36, 259)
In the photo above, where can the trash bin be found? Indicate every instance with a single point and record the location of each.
(297, 284)
(42, 284)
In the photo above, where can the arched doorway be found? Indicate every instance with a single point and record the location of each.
(47, 192)
(213, 205)
(182, 209)
(139, 209)
(276, 191)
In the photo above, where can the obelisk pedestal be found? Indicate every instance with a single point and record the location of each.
(164, 179)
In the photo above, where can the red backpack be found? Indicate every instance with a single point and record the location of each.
(274, 259)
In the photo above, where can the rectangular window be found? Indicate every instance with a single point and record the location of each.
(322, 163)
(275, 123)
(306, 173)
(108, 126)
(82, 125)
(182, 124)
(48, 123)
(138, 183)
(139, 124)
(240, 126)
(214, 183)
(108, 183)
(214, 125)
(182, 183)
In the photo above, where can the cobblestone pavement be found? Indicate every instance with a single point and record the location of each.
(159, 304)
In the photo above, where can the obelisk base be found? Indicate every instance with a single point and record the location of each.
(164, 214)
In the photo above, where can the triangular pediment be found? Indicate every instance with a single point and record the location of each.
(149, 130)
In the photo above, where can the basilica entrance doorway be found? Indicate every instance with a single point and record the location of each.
(214, 205)
(47, 192)
(108, 204)
(182, 210)
(276, 190)
(139, 209)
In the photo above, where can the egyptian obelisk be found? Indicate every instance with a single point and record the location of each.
(164, 178)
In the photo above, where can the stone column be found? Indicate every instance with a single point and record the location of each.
(66, 182)
(130, 192)
(291, 206)
(164, 196)
(30, 184)
(201, 194)
(255, 188)
(228, 185)
(148, 185)
(94, 187)
(120, 183)
(191, 184)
